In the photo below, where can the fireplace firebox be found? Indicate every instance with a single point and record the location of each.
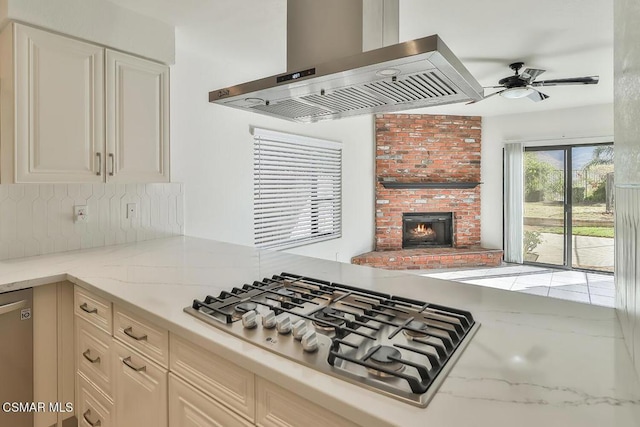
(427, 230)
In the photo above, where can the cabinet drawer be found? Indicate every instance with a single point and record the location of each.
(93, 353)
(139, 389)
(92, 407)
(224, 381)
(142, 335)
(94, 309)
(277, 407)
(189, 406)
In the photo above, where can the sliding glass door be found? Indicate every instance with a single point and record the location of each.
(545, 206)
(568, 206)
(591, 231)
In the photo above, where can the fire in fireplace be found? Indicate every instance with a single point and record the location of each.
(427, 230)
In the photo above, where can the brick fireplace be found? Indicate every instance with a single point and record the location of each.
(428, 165)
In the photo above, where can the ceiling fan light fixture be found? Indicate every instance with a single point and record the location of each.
(517, 92)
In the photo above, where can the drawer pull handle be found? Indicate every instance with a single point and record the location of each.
(113, 167)
(99, 155)
(86, 418)
(127, 361)
(86, 308)
(86, 356)
(129, 332)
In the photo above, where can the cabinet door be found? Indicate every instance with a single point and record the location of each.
(277, 407)
(59, 105)
(137, 119)
(140, 390)
(225, 381)
(189, 407)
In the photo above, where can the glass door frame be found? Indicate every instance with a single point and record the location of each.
(568, 205)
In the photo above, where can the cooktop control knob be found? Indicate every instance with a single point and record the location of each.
(310, 341)
(299, 329)
(249, 319)
(284, 325)
(269, 319)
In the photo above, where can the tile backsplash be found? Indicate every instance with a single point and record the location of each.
(38, 219)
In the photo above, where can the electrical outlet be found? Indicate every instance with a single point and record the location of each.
(80, 213)
(132, 210)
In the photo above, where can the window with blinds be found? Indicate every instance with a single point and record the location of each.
(297, 196)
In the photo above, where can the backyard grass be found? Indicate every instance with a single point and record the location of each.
(583, 212)
(580, 231)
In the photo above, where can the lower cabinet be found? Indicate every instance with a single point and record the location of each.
(189, 407)
(53, 355)
(93, 408)
(140, 389)
(277, 407)
(131, 372)
(93, 356)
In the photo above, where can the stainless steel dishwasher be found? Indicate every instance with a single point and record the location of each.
(16, 358)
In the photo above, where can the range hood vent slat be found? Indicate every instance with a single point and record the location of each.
(292, 109)
(345, 99)
(414, 88)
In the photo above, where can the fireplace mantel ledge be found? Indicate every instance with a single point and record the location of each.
(418, 185)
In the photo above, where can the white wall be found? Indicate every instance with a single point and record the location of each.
(212, 155)
(570, 126)
(98, 21)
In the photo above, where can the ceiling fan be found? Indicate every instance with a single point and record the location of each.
(523, 85)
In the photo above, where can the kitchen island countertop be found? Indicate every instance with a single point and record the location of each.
(535, 361)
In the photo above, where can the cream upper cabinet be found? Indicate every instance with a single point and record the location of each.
(59, 108)
(137, 112)
(72, 111)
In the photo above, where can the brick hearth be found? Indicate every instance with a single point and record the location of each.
(419, 259)
(431, 149)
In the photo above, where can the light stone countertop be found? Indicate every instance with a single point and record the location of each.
(535, 361)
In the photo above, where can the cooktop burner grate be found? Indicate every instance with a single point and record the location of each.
(390, 344)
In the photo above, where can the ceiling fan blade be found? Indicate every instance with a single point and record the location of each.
(530, 74)
(493, 87)
(488, 96)
(537, 96)
(591, 80)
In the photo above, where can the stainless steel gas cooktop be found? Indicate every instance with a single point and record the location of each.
(393, 345)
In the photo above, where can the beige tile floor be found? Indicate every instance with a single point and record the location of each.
(589, 288)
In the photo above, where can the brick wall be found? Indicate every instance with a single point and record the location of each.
(427, 148)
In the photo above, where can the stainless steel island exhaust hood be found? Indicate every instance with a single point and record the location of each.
(414, 74)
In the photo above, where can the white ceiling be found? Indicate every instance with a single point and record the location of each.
(568, 38)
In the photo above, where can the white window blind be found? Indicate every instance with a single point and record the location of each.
(297, 196)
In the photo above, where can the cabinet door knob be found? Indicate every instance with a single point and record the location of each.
(129, 332)
(127, 361)
(99, 155)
